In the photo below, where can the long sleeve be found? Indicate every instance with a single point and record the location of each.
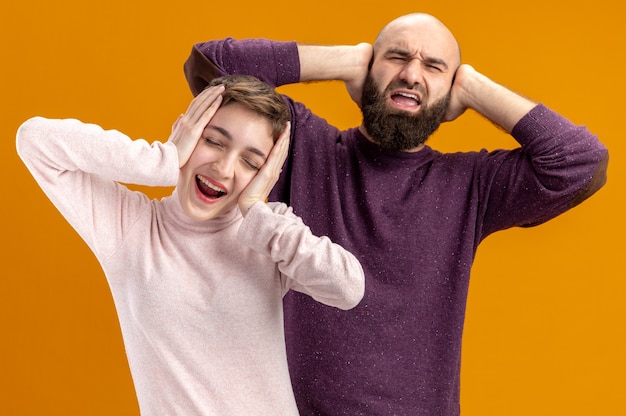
(575, 152)
(275, 63)
(415, 221)
(313, 265)
(80, 167)
(558, 166)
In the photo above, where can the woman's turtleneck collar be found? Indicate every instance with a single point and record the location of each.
(174, 211)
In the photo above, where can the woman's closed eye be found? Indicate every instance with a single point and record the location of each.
(212, 142)
(251, 164)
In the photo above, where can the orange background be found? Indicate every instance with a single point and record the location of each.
(545, 331)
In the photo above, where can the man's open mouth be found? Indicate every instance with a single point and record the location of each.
(406, 100)
(208, 189)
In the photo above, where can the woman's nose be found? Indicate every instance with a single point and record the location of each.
(225, 166)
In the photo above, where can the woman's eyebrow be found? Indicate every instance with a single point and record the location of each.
(256, 151)
(221, 130)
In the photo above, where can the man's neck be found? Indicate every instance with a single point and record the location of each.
(371, 139)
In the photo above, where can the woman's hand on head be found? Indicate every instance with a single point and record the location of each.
(188, 128)
(259, 188)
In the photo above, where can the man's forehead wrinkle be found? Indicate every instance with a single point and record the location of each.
(399, 44)
(419, 35)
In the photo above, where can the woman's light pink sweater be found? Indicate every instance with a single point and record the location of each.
(200, 304)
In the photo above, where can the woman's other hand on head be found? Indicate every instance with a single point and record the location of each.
(259, 188)
(188, 128)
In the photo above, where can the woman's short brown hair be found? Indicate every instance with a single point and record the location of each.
(257, 96)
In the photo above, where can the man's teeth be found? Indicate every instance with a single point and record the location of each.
(412, 96)
(210, 185)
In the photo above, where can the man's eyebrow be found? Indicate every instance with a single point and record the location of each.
(397, 51)
(229, 137)
(427, 59)
(436, 61)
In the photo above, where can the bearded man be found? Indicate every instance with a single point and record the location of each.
(413, 216)
(395, 129)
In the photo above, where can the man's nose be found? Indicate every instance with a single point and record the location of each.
(411, 74)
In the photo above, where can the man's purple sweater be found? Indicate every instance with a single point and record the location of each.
(414, 220)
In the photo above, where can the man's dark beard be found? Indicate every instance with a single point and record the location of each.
(395, 129)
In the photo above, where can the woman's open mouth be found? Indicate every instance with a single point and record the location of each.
(208, 189)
